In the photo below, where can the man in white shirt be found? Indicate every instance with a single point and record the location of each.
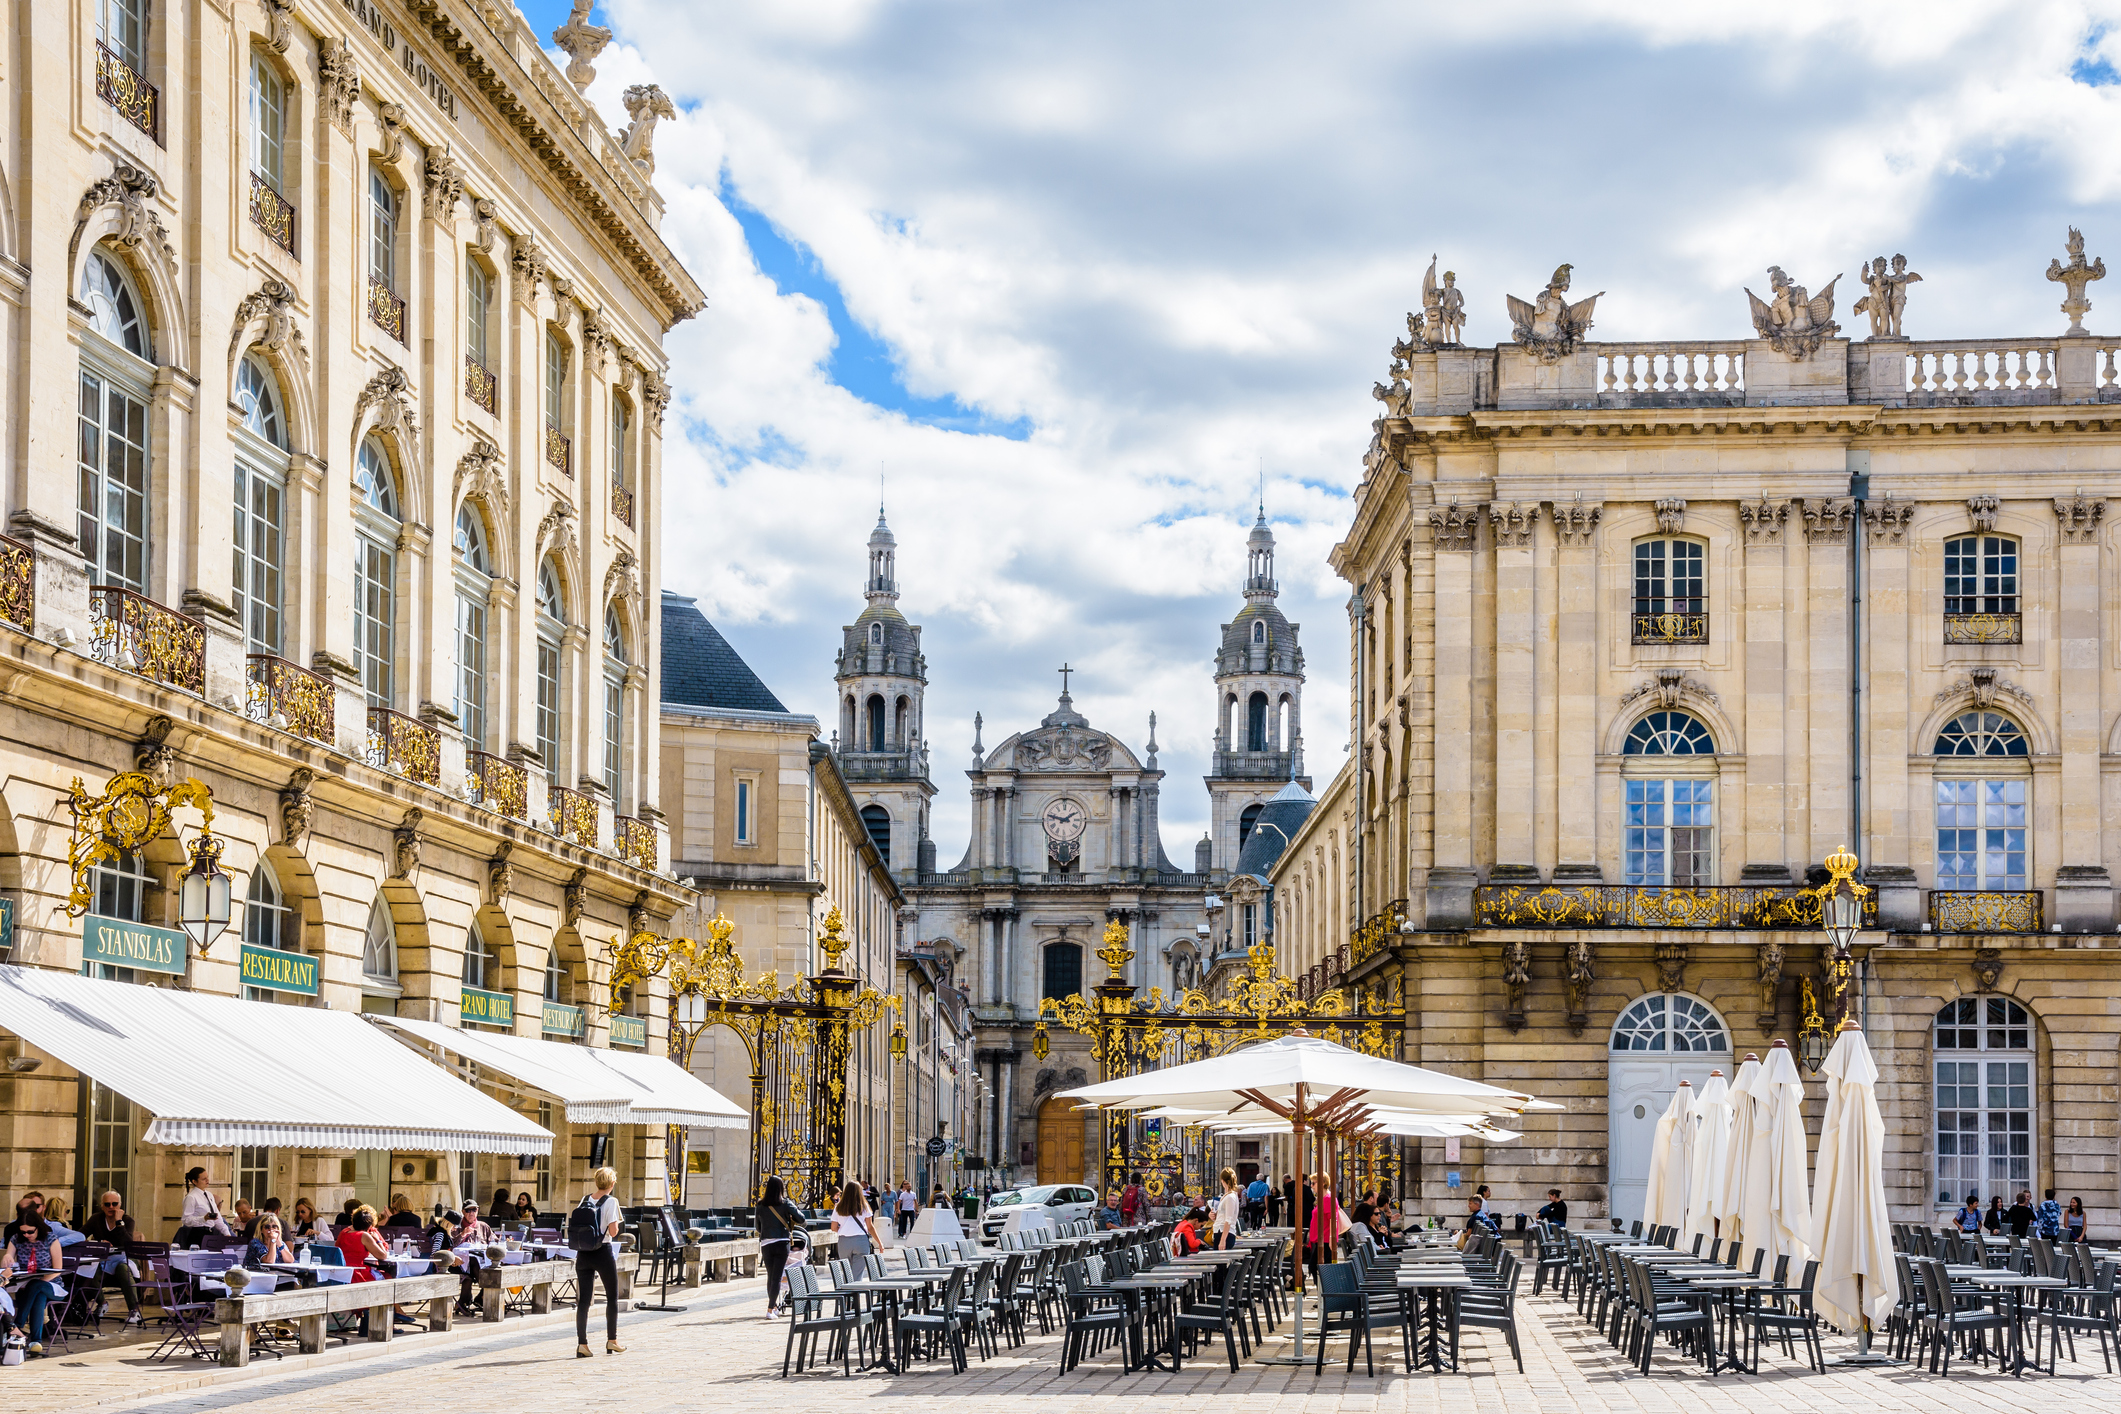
(909, 1205)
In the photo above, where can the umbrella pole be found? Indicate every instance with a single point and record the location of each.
(1297, 1118)
(1863, 1355)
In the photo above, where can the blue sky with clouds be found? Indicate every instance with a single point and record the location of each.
(1070, 275)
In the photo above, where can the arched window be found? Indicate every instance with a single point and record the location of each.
(876, 634)
(1670, 824)
(1256, 722)
(876, 723)
(260, 505)
(1246, 820)
(376, 573)
(1984, 1098)
(877, 821)
(551, 627)
(614, 707)
(1062, 970)
(113, 443)
(258, 395)
(379, 945)
(1671, 596)
(1259, 631)
(902, 723)
(474, 582)
(1980, 734)
(1668, 1023)
(482, 969)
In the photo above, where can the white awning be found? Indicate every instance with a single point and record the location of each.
(218, 1072)
(597, 1086)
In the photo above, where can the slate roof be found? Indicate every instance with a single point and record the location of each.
(700, 669)
(1286, 812)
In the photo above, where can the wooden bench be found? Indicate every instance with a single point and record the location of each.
(307, 1310)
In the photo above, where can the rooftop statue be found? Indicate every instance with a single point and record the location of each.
(2076, 275)
(1887, 300)
(1794, 322)
(1443, 309)
(1550, 326)
(581, 41)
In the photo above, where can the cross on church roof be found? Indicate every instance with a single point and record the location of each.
(1064, 671)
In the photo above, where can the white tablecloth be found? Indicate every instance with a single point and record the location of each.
(412, 1266)
(261, 1284)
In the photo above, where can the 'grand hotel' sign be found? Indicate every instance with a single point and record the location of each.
(370, 17)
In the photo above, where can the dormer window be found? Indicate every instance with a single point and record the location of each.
(876, 634)
(1259, 631)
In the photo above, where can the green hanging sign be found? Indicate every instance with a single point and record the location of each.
(115, 942)
(629, 1031)
(272, 970)
(561, 1019)
(477, 1008)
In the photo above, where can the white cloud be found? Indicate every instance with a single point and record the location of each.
(1179, 239)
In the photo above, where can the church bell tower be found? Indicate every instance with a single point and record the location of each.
(1259, 685)
(881, 747)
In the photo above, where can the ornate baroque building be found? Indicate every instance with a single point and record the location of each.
(332, 470)
(1641, 632)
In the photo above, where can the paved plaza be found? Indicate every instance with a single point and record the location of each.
(722, 1353)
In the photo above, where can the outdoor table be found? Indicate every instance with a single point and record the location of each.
(1728, 1283)
(1133, 1291)
(1433, 1289)
(408, 1266)
(890, 1289)
(264, 1283)
(315, 1272)
(2017, 1284)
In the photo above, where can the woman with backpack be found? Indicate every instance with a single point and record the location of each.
(592, 1231)
(776, 1219)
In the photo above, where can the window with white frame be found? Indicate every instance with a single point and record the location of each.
(253, 1174)
(379, 945)
(555, 382)
(1669, 577)
(478, 310)
(1981, 575)
(268, 122)
(118, 888)
(113, 1123)
(382, 230)
(122, 27)
(621, 424)
(559, 986)
(1984, 1098)
(551, 627)
(744, 802)
(1669, 823)
(261, 465)
(113, 451)
(376, 529)
(482, 969)
(474, 583)
(1982, 829)
(267, 920)
(614, 705)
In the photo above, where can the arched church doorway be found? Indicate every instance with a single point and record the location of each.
(1660, 1040)
(1067, 1142)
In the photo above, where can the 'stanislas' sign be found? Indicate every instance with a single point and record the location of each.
(115, 942)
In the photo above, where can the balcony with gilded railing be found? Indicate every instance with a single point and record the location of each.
(272, 213)
(386, 310)
(18, 584)
(403, 746)
(1688, 626)
(497, 784)
(1983, 628)
(132, 632)
(1984, 911)
(557, 449)
(1377, 931)
(572, 816)
(480, 385)
(1652, 906)
(124, 88)
(290, 698)
(622, 505)
(636, 841)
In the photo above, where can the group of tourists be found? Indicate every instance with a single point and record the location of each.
(2023, 1218)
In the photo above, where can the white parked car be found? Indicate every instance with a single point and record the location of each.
(1063, 1202)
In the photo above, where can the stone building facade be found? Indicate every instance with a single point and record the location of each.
(332, 468)
(1640, 633)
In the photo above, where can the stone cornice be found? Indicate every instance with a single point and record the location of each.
(1831, 422)
(513, 95)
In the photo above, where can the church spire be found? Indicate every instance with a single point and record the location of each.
(1259, 561)
(883, 562)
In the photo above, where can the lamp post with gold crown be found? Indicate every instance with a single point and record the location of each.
(798, 1039)
(1840, 917)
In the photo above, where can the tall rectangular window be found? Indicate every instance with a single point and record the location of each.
(1669, 577)
(113, 483)
(1670, 829)
(259, 544)
(548, 724)
(618, 441)
(268, 122)
(111, 1125)
(253, 1174)
(117, 889)
(122, 26)
(382, 231)
(471, 670)
(478, 303)
(1983, 1100)
(375, 619)
(555, 382)
(1981, 575)
(743, 811)
(1981, 834)
(614, 736)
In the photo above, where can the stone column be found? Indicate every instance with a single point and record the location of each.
(1575, 746)
(2084, 895)
(1765, 597)
(1451, 878)
(1823, 747)
(1893, 818)
(1516, 689)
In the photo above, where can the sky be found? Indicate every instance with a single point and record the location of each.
(1084, 283)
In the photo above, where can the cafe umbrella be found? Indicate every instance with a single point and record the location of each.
(1678, 1144)
(1705, 1165)
(1777, 1215)
(1855, 1232)
(1730, 1188)
(1660, 1145)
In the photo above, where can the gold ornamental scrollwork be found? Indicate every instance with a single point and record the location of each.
(133, 811)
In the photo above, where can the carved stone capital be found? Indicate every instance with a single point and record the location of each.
(1577, 521)
(1763, 519)
(1983, 509)
(1513, 523)
(1455, 527)
(338, 83)
(2080, 516)
(1826, 520)
(1887, 519)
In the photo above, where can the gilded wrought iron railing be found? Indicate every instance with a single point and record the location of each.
(497, 783)
(480, 385)
(273, 213)
(386, 309)
(402, 745)
(556, 449)
(1983, 628)
(636, 841)
(1672, 628)
(121, 85)
(1652, 906)
(18, 584)
(622, 505)
(133, 632)
(291, 698)
(1984, 911)
(574, 816)
(1376, 932)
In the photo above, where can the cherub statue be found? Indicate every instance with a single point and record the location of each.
(1794, 322)
(1887, 300)
(2075, 276)
(1550, 326)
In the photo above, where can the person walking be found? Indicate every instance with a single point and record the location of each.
(776, 1219)
(1226, 1215)
(1323, 1223)
(1255, 1211)
(908, 1204)
(592, 1231)
(2073, 1220)
(853, 1225)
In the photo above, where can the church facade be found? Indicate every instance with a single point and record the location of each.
(1065, 837)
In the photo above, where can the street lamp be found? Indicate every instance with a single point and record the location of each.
(1840, 915)
(898, 1040)
(203, 897)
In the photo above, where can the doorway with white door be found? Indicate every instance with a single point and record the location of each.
(1659, 1040)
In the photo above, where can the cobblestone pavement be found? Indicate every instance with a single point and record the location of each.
(722, 1353)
